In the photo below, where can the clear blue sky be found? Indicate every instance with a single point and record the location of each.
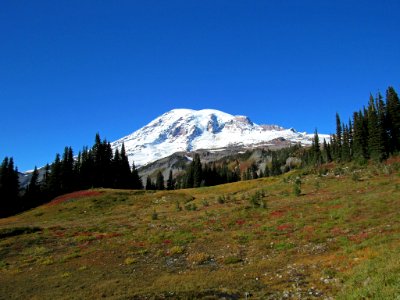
(69, 69)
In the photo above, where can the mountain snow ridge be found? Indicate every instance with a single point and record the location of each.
(189, 130)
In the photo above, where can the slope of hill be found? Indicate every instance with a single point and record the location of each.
(253, 239)
(186, 130)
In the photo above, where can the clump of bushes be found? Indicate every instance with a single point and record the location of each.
(221, 199)
(176, 250)
(297, 187)
(178, 206)
(257, 200)
(129, 261)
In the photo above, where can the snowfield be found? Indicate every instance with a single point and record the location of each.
(190, 130)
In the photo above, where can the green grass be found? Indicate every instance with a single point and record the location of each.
(339, 238)
(376, 278)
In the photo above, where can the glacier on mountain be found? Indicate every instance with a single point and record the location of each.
(185, 130)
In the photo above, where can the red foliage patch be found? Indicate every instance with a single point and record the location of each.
(71, 196)
(309, 229)
(277, 213)
(208, 222)
(240, 222)
(167, 242)
(336, 231)
(59, 234)
(137, 244)
(358, 238)
(336, 206)
(106, 235)
(284, 227)
(392, 160)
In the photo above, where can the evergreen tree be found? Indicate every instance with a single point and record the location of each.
(9, 188)
(224, 174)
(86, 169)
(267, 171)
(251, 172)
(160, 181)
(67, 176)
(45, 184)
(338, 139)
(316, 150)
(125, 170)
(107, 168)
(149, 184)
(136, 182)
(170, 181)
(327, 151)
(375, 140)
(393, 119)
(334, 146)
(351, 138)
(99, 156)
(382, 124)
(102, 154)
(275, 166)
(360, 138)
(55, 177)
(189, 178)
(116, 170)
(197, 171)
(33, 193)
(346, 152)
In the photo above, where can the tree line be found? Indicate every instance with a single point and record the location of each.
(93, 167)
(373, 133)
(229, 170)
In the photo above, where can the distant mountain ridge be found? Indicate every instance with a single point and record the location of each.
(186, 130)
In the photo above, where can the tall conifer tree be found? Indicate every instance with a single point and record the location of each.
(393, 119)
(33, 193)
(9, 187)
(136, 182)
(346, 151)
(126, 175)
(160, 181)
(197, 171)
(170, 181)
(375, 142)
(338, 144)
(55, 177)
(316, 149)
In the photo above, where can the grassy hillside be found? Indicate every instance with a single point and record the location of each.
(255, 239)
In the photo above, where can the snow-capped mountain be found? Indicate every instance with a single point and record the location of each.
(189, 130)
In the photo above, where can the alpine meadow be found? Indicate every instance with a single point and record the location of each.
(299, 221)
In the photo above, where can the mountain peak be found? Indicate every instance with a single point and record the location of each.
(203, 113)
(186, 130)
